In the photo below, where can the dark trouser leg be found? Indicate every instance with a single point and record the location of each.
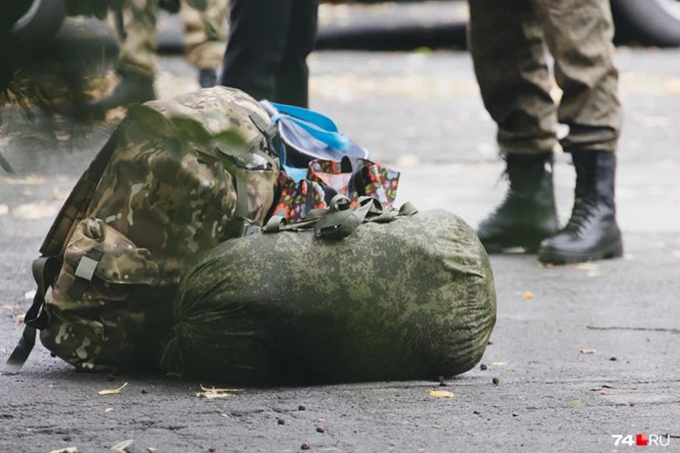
(256, 46)
(293, 75)
(509, 58)
(508, 52)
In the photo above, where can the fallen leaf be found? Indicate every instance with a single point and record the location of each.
(115, 115)
(216, 393)
(63, 136)
(112, 392)
(214, 389)
(19, 319)
(588, 351)
(528, 295)
(56, 195)
(440, 394)
(408, 160)
(121, 447)
(587, 266)
(29, 179)
(66, 450)
(498, 364)
(4, 209)
(33, 211)
(603, 393)
(107, 410)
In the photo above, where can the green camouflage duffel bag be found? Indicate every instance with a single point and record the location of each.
(403, 297)
(176, 178)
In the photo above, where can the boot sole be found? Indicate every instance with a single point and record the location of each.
(610, 251)
(498, 248)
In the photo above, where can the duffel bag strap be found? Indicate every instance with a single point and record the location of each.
(338, 220)
(45, 269)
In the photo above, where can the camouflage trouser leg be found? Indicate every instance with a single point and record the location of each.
(508, 40)
(137, 46)
(205, 33)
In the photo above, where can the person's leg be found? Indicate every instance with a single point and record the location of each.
(136, 34)
(137, 38)
(579, 34)
(256, 45)
(508, 53)
(205, 38)
(293, 74)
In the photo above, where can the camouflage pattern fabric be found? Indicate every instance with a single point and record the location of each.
(204, 32)
(508, 41)
(409, 299)
(168, 193)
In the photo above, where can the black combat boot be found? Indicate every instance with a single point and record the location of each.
(528, 214)
(132, 89)
(592, 232)
(207, 78)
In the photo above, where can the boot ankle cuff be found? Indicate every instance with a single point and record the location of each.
(529, 157)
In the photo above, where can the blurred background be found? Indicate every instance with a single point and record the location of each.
(396, 77)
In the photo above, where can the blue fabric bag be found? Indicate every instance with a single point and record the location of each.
(306, 136)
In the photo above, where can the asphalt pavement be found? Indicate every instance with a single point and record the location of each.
(581, 352)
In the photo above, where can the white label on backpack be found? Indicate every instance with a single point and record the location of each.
(86, 268)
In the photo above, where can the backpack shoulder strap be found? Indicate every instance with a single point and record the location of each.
(46, 268)
(44, 271)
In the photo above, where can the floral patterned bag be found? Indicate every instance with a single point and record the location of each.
(327, 178)
(318, 162)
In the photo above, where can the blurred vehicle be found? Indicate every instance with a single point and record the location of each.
(650, 22)
(37, 19)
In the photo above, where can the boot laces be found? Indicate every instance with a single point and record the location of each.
(521, 182)
(513, 194)
(581, 214)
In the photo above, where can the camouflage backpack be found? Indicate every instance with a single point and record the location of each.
(176, 178)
